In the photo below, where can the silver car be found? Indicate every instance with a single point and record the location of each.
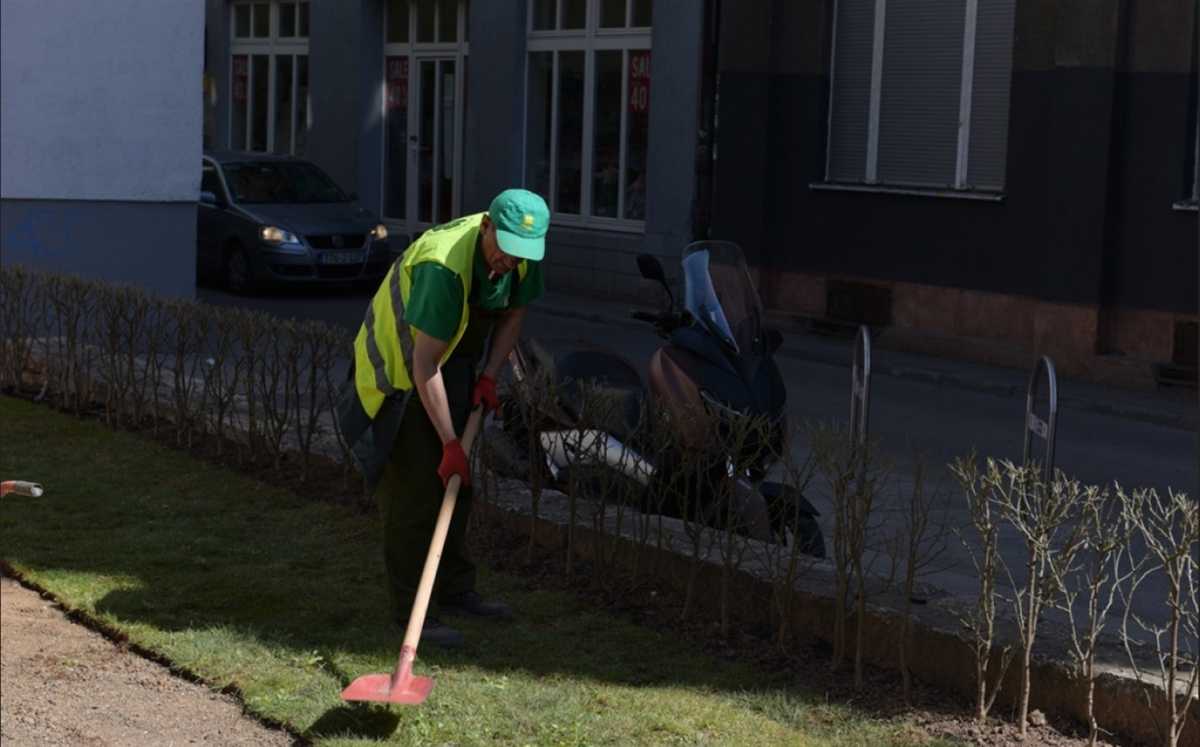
(268, 220)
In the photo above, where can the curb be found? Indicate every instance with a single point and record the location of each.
(1182, 420)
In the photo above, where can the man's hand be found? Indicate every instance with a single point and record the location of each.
(485, 392)
(454, 462)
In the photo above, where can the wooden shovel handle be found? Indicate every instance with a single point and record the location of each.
(416, 620)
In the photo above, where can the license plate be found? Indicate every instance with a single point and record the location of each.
(341, 258)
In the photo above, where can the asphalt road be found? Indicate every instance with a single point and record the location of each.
(941, 421)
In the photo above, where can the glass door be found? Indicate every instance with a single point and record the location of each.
(435, 141)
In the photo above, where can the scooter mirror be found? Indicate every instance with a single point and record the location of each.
(773, 339)
(651, 268)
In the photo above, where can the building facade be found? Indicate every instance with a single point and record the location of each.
(100, 139)
(428, 108)
(1002, 178)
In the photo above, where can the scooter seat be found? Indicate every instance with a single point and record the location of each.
(603, 375)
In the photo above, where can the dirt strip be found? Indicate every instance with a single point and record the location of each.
(63, 684)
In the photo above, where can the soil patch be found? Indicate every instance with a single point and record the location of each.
(65, 684)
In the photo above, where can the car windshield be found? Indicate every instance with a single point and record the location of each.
(719, 293)
(258, 182)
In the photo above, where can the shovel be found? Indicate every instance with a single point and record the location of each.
(20, 487)
(401, 686)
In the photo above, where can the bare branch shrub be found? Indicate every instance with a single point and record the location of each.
(531, 397)
(921, 545)
(979, 489)
(739, 509)
(691, 481)
(331, 383)
(253, 328)
(585, 449)
(786, 563)
(1096, 576)
(120, 321)
(853, 473)
(222, 379)
(71, 302)
(1045, 516)
(1169, 527)
(657, 441)
(138, 329)
(277, 369)
(189, 327)
(20, 321)
(834, 459)
(606, 485)
(159, 329)
(319, 347)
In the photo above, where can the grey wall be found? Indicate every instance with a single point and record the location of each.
(493, 157)
(147, 244)
(100, 100)
(100, 138)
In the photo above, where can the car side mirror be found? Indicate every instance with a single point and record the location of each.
(652, 269)
(208, 198)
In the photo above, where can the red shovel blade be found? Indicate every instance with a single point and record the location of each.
(399, 687)
(378, 688)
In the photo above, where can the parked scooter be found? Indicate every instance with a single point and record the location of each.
(713, 377)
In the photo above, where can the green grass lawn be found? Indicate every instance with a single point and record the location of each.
(246, 585)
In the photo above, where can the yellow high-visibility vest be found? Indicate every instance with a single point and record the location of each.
(383, 346)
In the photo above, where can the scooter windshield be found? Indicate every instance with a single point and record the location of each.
(719, 293)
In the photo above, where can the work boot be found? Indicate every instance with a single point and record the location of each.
(470, 603)
(436, 632)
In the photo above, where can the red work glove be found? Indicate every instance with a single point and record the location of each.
(485, 392)
(454, 462)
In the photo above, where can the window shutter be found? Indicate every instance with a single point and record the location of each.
(848, 125)
(988, 149)
(920, 100)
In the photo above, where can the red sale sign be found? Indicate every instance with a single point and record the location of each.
(241, 74)
(639, 81)
(397, 83)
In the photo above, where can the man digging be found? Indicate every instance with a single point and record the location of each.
(461, 287)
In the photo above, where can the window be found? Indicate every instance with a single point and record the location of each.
(920, 92)
(588, 109)
(425, 54)
(270, 111)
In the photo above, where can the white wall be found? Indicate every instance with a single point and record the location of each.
(101, 99)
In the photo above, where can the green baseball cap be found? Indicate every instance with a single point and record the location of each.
(522, 219)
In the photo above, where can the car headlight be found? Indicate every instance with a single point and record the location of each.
(277, 236)
(379, 233)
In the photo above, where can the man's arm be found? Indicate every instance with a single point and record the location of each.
(427, 378)
(504, 338)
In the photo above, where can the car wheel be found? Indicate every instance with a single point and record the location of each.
(239, 278)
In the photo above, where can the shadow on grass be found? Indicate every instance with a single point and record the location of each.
(184, 546)
(187, 548)
(357, 720)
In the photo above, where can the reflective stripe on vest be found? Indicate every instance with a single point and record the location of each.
(383, 348)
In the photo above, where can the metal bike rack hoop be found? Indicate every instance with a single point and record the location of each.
(860, 387)
(1044, 429)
